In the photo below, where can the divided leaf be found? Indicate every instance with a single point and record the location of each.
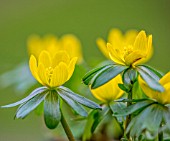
(148, 120)
(30, 105)
(106, 75)
(33, 94)
(90, 76)
(150, 78)
(73, 104)
(133, 108)
(78, 98)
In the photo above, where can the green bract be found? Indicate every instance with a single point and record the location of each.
(52, 107)
(100, 76)
(147, 117)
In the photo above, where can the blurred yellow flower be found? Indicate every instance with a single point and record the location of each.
(130, 50)
(117, 39)
(52, 44)
(52, 71)
(161, 97)
(109, 91)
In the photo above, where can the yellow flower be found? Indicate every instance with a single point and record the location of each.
(109, 91)
(161, 97)
(117, 39)
(52, 71)
(129, 50)
(50, 43)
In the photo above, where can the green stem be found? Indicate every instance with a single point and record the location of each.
(66, 128)
(160, 136)
(128, 118)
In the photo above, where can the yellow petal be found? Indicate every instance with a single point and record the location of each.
(72, 45)
(51, 44)
(149, 48)
(109, 91)
(165, 96)
(45, 59)
(165, 79)
(61, 56)
(102, 46)
(60, 75)
(42, 75)
(71, 67)
(140, 61)
(130, 37)
(133, 57)
(34, 44)
(115, 56)
(116, 38)
(33, 68)
(141, 42)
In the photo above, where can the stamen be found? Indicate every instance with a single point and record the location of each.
(49, 73)
(127, 50)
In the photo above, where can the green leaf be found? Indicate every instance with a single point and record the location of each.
(107, 75)
(52, 114)
(154, 124)
(133, 108)
(148, 120)
(158, 73)
(150, 78)
(87, 130)
(166, 115)
(136, 125)
(73, 104)
(117, 106)
(89, 76)
(129, 77)
(122, 87)
(130, 100)
(29, 105)
(100, 115)
(78, 98)
(33, 94)
(93, 120)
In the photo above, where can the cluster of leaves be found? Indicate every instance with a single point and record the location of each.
(51, 100)
(148, 118)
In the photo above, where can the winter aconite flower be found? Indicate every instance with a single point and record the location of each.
(52, 71)
(109, 91)
(161, 97)
(117, 39)
(136, 52)
(52, 44)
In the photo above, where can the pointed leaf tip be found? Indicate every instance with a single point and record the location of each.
(78, 98)
(107, 74)
(33, 94)
(73, 104)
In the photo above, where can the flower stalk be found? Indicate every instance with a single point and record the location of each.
(66, 128)
(128, 118)
(160, 136)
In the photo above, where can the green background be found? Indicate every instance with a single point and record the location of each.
(88, 20)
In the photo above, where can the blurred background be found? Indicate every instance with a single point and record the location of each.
(88, 20)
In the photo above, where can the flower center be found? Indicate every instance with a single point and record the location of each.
(127, 50)
(49, 73)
